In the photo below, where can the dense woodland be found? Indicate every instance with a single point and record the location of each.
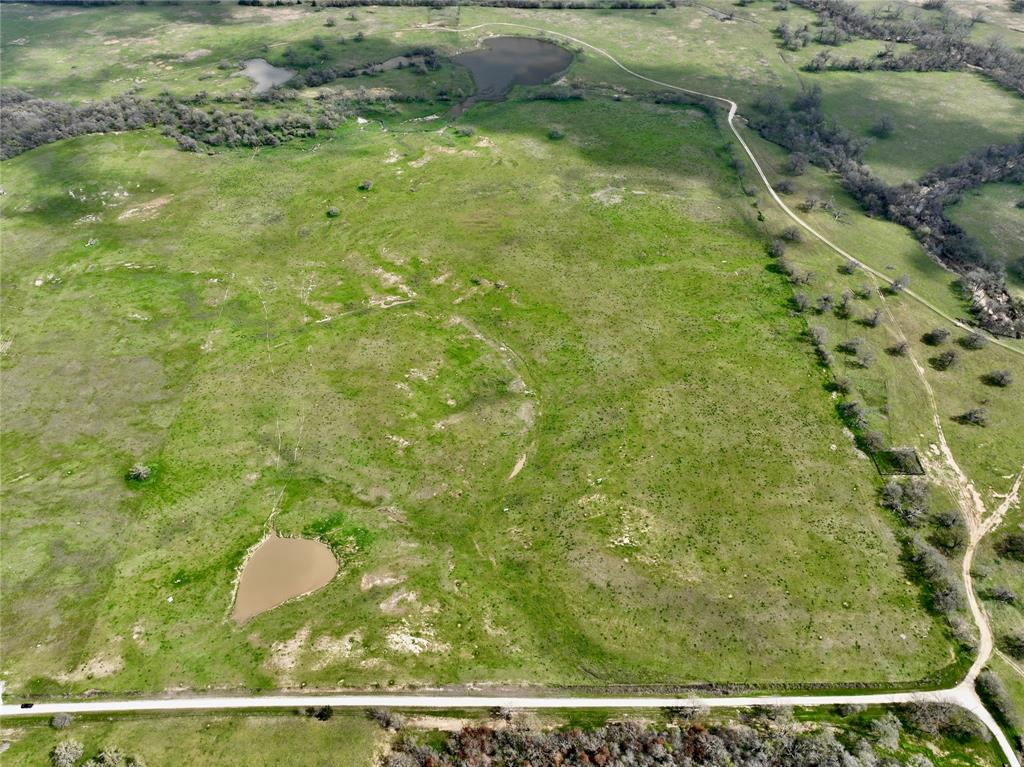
(942, 44)
(765, 739)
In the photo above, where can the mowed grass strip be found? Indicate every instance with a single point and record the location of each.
(689, 508)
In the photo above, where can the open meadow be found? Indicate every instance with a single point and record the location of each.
(531, 372)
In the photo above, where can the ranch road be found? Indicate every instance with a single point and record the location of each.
(962, 695)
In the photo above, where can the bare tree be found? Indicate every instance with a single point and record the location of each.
(1002, 378)
(66, 753)
(974, 341)
(899, 349)
(946, 360)
(976, 416)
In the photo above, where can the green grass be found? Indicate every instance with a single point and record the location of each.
(672, 417)
(196, 739)
(644, 359)
(935, 116)
(990, 215)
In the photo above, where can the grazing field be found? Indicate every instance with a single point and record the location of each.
(993, 217)
(529, 373)
(542, 454)
(229, 740)
(934, 116)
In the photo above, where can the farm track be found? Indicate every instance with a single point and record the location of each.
(978, 521)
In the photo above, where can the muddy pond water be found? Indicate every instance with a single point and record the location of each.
(280, 569)
(503, 62)
(265, 75)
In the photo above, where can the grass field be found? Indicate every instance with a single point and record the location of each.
(544, 453)
(990, 215)
(255, 367)
(228, 740)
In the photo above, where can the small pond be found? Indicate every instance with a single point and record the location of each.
(265, 74)
(503, 62)
(280, 569)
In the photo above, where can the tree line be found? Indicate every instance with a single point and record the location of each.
(802, 128)
(942, 44)
(762, 738)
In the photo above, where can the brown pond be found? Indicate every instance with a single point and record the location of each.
(281, 569)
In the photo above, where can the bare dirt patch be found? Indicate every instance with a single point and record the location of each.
(102, 665)
(372, 580)
(147, 210)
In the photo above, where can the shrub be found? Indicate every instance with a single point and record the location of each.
(60, 721)
(873, 441)
(784, 187)
(1002, 594)
(792, 234)
(66, 753)
(935, 336)
(555, 134)
(796, 165)
(139, 472)
(387, 719)
(776, 249)
(1001, 378)
(848, 267)
(976, 416)
(465, 131)
(899, 349)
(907, 499)
(905, 460)
(366, 186)
(883, 128)
(944, 589)
(945, 719)
(974, 341)
(886, 730)
(992, 690)
(872, 320)
(853, 413)
(333, 212)
(865, 358)
(946, 360)
(851, 345)
(801, 302)
(1013, 643)
(899, 284)
(1011, 547)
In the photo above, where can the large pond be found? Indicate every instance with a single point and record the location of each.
(265, 75)
(280, 569)
(503, 62)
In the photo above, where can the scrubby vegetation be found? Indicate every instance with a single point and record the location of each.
(942, 44)
(803, 128)
(764, 738)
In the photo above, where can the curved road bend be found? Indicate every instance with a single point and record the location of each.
(962, 695)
